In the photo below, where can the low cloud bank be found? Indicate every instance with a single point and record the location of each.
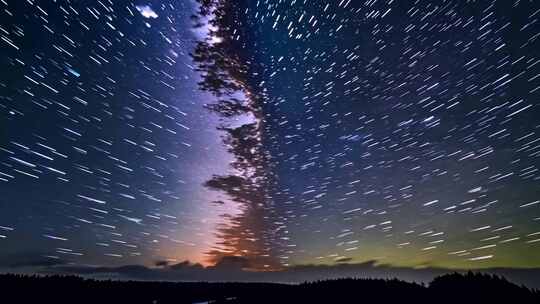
(237, 269)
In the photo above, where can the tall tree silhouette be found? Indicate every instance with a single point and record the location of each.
(249, 234)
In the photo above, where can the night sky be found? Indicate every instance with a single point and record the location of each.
(105, 141)
(402, 133)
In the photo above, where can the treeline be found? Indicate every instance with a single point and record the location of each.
(452, 288)
(224, 74)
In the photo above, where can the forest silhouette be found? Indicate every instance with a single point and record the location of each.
(450, 288)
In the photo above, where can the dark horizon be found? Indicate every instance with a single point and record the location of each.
(237, 269)
(473, 288)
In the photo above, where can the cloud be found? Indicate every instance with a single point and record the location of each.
(147, 11)
(186, 266)
(344, 260)
(235, 268)
(232, 263)
(161, 263)
(238, 269)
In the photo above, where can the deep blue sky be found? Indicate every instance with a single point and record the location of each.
(402, 132)
(100, 109)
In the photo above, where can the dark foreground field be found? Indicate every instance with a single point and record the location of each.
(453, 288)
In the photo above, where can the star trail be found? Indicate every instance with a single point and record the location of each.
(105, 141)
(271, 133)
(405, 132)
